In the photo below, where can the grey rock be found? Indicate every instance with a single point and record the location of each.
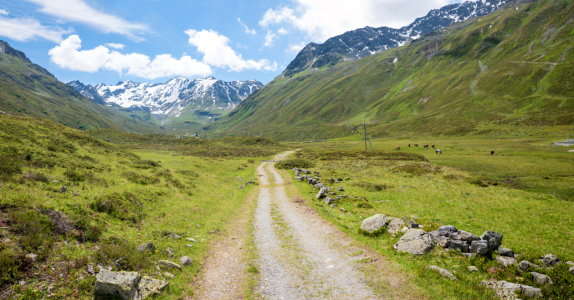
(506, 290)
(395, 225)
(118, 284)
(571, 270)
(506, 261)
(347, 178)
(541, 279)
(189, 246)
(339, 197)
(443, 241)
(322, 193)
(168, 275)
(146, 247)
(340, 189)
(505, 252)
(479, 247)
(63, 189)
(148, 287)
(185, 261)
(91, 270)
(404, 229)
(191, 240)
(446, 230)
(550, 260)
(464, 236)
(415, 241)
(168, 265)
(472, 269)
(524, 265)
(174, 236)
(494, 239)
(434, 235)
(570, 263)
(463, 246)
(170, 252)
(413, 225)
(31, 256)
(329, 200)
(443, 272)
(374, 224)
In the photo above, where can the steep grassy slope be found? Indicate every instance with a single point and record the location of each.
(74, 200)
(508, 72)
(27, 89)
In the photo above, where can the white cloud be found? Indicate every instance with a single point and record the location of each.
(282, 31)
(115, 45)
(269, 38)
(24, 29)
(67, 55)
(296, 47)
(217, 52)
(247, 30)
(322, 19)
(79, 11)
(3, 12)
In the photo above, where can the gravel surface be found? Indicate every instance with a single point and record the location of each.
(298, 258)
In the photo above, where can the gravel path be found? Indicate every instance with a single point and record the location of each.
(298, 257)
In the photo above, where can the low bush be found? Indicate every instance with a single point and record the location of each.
(10, 166)
(294, 163)
(124, 255)
(372, 187)
(140, 179)
(35, 176)
(188, 173)
(35, 229)
(125, 207)
(418, 169)
(8, 267)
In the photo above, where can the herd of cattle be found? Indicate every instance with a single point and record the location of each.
(438, 151)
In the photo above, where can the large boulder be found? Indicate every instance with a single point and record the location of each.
(415, 241)
(395, 225)
(494, 239)
(464, 236)
(506, 290)
(479, 247)
(446, 230)
(374, 224)
(149, 287)
(116, 284)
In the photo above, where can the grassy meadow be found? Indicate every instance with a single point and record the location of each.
(524, 191)
(115, 199)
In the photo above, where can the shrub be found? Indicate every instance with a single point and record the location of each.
(35, 229)
(372, 187)
(125, 207)
(140, 179)
(187, 173)
(10, 166)
(115, 249)
(74, 175)
(418, 169)
(8, 267)
(294, 163)
(34, 176)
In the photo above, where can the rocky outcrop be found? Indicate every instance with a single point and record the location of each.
(415, 241)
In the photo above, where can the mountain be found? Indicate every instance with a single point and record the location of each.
(27, 89)
(180, 99)
(508, 73)
(367, 41)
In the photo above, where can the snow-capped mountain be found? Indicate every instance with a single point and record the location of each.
(366, 41)
(177, 96)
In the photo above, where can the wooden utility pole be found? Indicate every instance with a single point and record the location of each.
(365, 126)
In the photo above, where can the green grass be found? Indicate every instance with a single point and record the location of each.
(116, 199)
(465, 187)
(522, 89)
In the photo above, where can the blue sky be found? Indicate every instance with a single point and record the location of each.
(105, 41)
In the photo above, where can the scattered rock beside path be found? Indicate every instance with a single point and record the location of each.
(506, 290)
(506, 261)
(146, 247)
(374, 224)
(494, 239)
(168, 265)
(505, 252)
(118, 284)
(550, 260)
(541, 279)
(524, 265)
(149, 287)
(395, 225)
(185, 261)
(443, 272)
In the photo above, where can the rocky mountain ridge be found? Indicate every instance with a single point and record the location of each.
(363, 42)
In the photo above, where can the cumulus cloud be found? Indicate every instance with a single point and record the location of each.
(24, 29)
(296, 47)
(247, 30)
(3, 12)
(282, 31)
(79, 11)
(322, 19)
(69, 56)
(217, 52)
(269, 38)
(115, 45)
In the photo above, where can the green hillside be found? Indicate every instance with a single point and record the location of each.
(29, 90)
(508, 73)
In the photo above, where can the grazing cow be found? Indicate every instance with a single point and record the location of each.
(438, 151)
(491, 152)
(416, 145)
(409, 145)
(426, 146)
(432, 146)
(398, 147)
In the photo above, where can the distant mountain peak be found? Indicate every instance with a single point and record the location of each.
(366, 41)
